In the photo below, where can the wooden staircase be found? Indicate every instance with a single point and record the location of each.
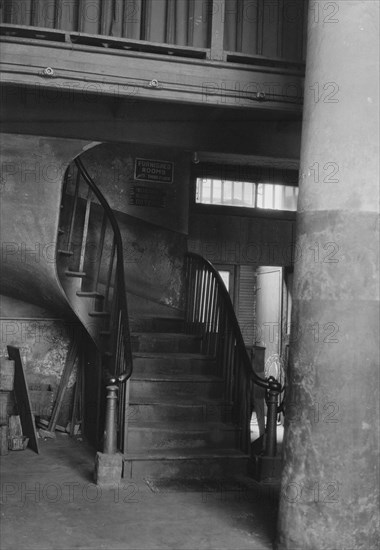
(179, 425)
(185, 409)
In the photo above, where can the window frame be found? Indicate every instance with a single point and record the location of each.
(256, 175)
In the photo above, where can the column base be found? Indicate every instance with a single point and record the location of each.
(108, 469)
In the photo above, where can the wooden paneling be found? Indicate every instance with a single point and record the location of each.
(184, 22)
(273, 29)
(241, 239)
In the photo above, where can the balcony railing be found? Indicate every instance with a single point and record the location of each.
(241, 31)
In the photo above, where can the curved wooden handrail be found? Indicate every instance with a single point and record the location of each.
(123, 364)
(263, 383)
(210, 314)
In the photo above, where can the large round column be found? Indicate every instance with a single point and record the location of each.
(329, 493)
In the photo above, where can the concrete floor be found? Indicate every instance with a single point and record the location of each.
(49, 501)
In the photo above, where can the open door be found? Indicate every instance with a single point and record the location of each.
(269, 310)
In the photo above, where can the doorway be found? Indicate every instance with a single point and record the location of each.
(268, 326)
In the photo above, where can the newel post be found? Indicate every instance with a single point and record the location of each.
(110, 428)
(109, 463)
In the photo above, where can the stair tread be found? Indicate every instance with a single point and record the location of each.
(65, 252)
(174, 355)
(70, 273)
(184, 427)
(176, 378)
(94, 294)
(166, 335)
(150, 317)
(185, 453)
(183, 402)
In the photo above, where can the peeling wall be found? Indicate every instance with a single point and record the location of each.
(43, 342)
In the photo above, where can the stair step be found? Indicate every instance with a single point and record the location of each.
(148, 436)
(199, 411)
(84, 294)
(65, 252)
(176, 388)
(164, 342)
(80, 274)
(172, 363)
(99, 313)
(157, 324)
(185, 463)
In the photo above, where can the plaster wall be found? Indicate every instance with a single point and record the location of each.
(154, 234)
(43, 340)
(31, 170)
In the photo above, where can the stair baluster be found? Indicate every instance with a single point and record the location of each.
(95, 288)
(109, 274)
(85, 231)
(73, 213)
(100, 252)
(210, 313)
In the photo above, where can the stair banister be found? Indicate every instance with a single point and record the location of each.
(122, 366)
(210, 313)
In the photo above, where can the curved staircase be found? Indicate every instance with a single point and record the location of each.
(90, 266)
(185, 411)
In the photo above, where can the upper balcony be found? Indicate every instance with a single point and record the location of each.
(233, 53)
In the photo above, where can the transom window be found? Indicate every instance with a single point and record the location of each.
(246, 193)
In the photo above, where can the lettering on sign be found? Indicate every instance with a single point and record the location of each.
(146, 196)
(159, 171)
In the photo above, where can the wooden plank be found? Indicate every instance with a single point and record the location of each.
(15, 428)
(66, 373)
(98, 72)
(23, 400)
